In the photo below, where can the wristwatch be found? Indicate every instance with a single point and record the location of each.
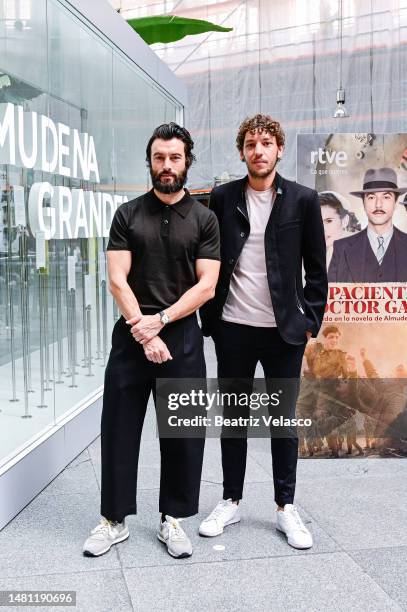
(164, 318)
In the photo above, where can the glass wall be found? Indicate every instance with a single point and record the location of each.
(75, 115)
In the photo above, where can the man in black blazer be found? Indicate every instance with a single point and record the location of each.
(270, 228)
(378, 253)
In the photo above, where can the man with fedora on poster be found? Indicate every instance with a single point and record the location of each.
(379, 252)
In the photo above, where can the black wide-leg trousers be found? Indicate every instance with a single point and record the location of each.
(238, 349)
(129, 380)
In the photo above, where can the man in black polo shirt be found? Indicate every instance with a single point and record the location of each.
(163, 262)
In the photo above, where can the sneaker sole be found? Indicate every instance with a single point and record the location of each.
(181, 556)
(292, 545)
(213, 535)
(87, 553)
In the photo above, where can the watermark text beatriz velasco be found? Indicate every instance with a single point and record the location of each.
(210, 400)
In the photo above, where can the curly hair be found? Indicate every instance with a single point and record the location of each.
(167, 131)
(260, 123)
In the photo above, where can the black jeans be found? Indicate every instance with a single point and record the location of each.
(239, 348)
(129, 380)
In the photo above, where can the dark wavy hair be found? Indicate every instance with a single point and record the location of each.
(327, 198)
(167, 131)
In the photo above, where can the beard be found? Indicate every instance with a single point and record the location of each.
(175, 185)
(264, 172)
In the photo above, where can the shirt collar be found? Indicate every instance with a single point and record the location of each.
(373, 236)
(277, 185)
(182, 207)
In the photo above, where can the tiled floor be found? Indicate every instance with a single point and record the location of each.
(356, 510)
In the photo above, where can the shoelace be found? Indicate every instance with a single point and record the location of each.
(102, 528)
(175, 531)
(218, 511)
(297, 519)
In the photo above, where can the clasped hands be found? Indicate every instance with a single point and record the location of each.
(144, 329)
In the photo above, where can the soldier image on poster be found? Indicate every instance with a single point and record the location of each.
(327, 365)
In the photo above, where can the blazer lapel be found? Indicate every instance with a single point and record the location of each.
(241, 205)
(278, 202)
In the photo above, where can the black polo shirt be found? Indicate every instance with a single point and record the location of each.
(165, 241)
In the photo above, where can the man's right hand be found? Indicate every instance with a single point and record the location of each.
(156, 350)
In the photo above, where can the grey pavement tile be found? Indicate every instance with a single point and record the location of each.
(102, 591)
(48, 535)
(210, 358)
(84, 456)
(354, 468)
(150, 422)
(309, 584)
(359, 512)
(387, 567)
(313, 468)
(255, 536)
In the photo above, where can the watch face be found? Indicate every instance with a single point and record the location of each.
(164, 318)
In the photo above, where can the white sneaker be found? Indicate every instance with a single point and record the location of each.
(103, 536)
(171, 533)
(290, 523)
(225, 513)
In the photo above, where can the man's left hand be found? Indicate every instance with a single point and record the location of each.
(146, 328)
(309, 334)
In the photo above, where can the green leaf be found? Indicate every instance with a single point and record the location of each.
(15, 91)
(169, 28)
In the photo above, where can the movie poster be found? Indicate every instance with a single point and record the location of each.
(355, 372)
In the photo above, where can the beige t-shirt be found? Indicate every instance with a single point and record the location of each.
(249, 301)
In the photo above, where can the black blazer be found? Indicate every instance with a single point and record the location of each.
(353, 260)
(294, 236)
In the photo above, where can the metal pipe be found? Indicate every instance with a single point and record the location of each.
(59, 317)
(84, 272)
(97, 286)
(24, 320)
(71, 318)
(88, 305)
(48, 387)
(9, 284)
(42, 403)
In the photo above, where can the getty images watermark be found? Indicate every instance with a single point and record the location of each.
(233, 407)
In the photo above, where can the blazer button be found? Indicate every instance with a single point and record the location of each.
(231, 261)
(242, 234)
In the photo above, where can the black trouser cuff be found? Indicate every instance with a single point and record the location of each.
(234, 495)
(178, 511)
(118, 516)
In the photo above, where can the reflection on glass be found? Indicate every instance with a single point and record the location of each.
(56, 313)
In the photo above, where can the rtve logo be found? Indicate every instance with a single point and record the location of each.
(324, 156)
